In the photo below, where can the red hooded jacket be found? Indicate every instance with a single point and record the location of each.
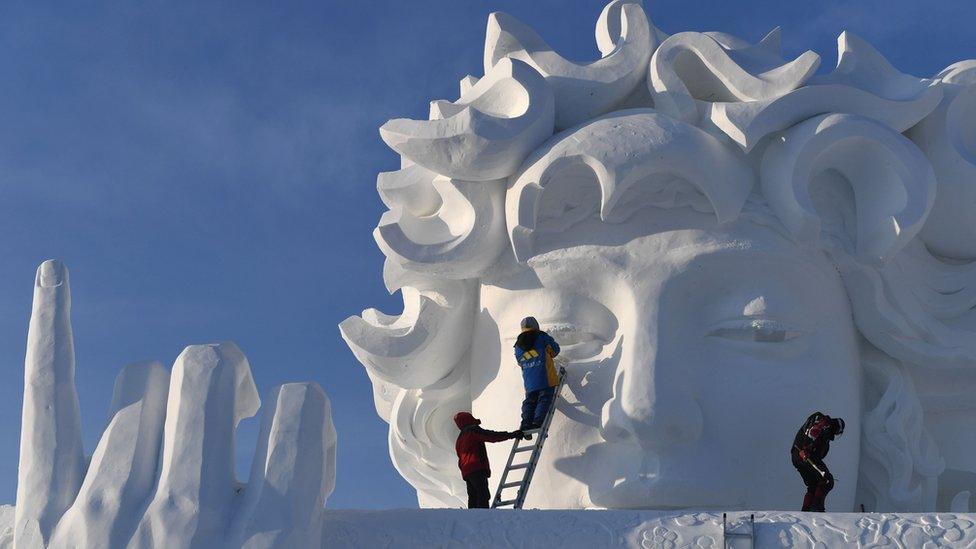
(470, 445)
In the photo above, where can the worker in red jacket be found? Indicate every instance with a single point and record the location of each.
(473, 457)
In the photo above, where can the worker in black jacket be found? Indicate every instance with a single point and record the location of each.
(810, 446)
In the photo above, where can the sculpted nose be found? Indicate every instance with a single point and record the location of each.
(649, 404)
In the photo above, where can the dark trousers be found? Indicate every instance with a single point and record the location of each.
(478, 494)
(817, 485)
(536, 406)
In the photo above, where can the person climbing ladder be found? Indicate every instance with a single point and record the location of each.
(810, 446)
(534, 352)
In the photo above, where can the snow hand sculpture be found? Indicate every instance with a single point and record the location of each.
(162, 474)
(714, 234)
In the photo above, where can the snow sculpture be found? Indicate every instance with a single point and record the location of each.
(483, 135)
(893, 192)
(947, 139)
(162, 473)
(51, 455)
(624, 37)
(722, 242)
(754, 74)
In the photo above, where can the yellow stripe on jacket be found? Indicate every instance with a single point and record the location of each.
(551, 372)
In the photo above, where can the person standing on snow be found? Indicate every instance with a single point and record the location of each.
(473, 456)
(810, 446)
(534, 351)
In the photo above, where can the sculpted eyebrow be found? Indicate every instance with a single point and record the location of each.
(798, 263)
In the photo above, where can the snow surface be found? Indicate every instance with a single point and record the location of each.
(7, 526)
(427, 528)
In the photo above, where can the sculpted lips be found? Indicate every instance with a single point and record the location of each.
(646, 487)
(629, 477)
(653, 492)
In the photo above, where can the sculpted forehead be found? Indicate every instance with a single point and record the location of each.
(740, 269)
(674, 249)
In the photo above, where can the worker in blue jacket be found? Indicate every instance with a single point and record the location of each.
(534, 351)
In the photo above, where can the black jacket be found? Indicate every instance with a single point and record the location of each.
(815, 436)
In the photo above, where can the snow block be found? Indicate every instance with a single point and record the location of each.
(293, 471)
(211, 391)
(123, 468)
(52, 461)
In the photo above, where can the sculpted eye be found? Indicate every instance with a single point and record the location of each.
(576, 343)
(760, 330)
(571, 335)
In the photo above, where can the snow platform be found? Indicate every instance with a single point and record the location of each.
(427, 528)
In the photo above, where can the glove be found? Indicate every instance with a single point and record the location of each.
(518, 434)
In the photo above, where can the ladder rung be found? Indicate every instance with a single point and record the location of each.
(511, 485)
(509, 502)
(525, 449)
(519, 466)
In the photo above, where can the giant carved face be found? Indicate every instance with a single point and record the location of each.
(693, 353)
(721, 242)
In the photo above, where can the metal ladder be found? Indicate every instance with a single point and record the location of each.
(541, 434)
(728, 537)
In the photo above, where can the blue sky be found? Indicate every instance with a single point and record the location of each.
(207, 172)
